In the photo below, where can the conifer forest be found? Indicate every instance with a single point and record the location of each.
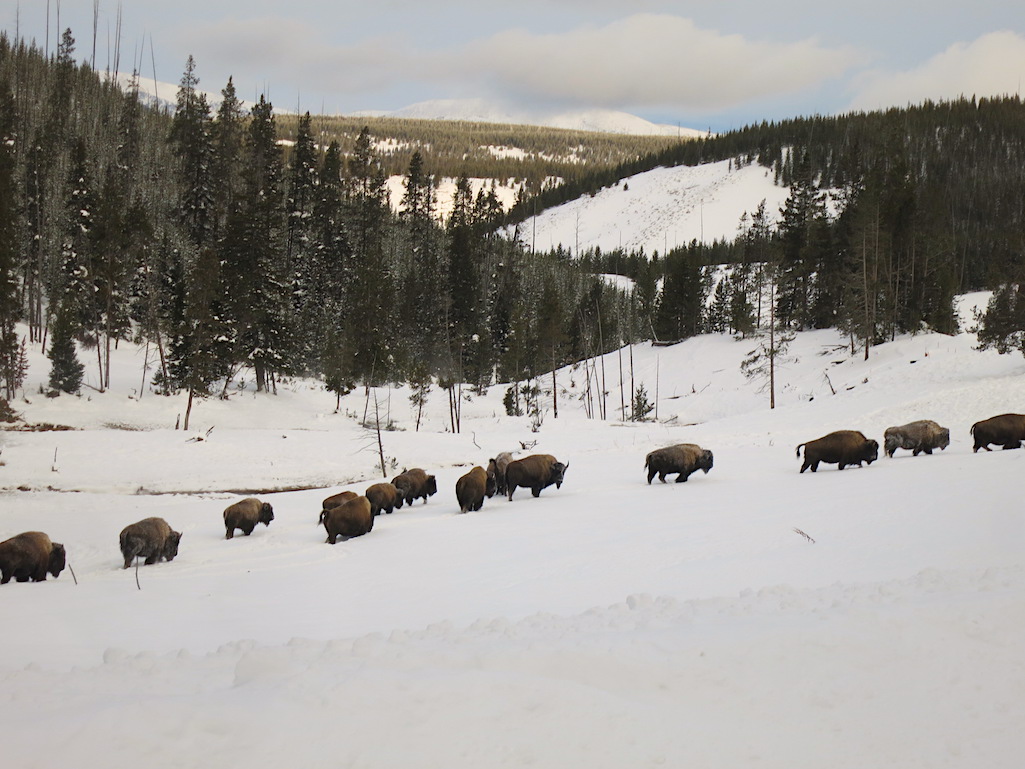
(202, 234)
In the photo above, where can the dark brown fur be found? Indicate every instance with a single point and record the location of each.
(917, 437)
(29, 556)
(334, 501)
(1007, 430)
(150, 538)
(350, 519)
(415, 484)
(384, 497)
(245, 514)
(681, 459)
(843, 447)
(473, 487)
(536, 472)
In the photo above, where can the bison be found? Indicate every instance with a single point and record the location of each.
(1007, 430)
(497, 467)
(917, 437)
(415, 484)
(334, 501)
(349, 519)
(29, 556)
(682, 459)
(535, 472)
(384, 497)
(150, 538)
(843, 447)
(473, 487)
(245, 514)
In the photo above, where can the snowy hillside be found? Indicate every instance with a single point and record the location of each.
(481, 111)
(608, 623)
(658, 210)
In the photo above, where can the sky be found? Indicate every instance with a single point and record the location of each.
(712, 64)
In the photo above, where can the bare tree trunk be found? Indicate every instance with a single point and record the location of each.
(622, 399)
(188, 409)
(380, 445)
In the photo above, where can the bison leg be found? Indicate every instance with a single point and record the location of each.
(511, 490)
(536, 490)
(651, 474)
(21, 576)
(682, 477)
(1012, 445)
(5, 577)
(151, 559)
(229, 533)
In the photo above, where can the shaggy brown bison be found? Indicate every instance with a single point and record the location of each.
(472, 488)
(150, 538)
(497, 467)
(415, 484)
(245, 514)
(844, 447)
(682, 459)
(29, 556)
(536, 472)
(384, 497)
(1007, 430)
(350, 519)
(334, 501)
(917, 437)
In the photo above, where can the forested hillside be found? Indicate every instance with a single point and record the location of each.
(206, 235)
(890, 215)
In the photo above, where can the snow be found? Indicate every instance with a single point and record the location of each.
(505, 192)
(608, 623)
(659, 210)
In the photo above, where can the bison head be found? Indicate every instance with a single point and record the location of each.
(431, 487)
(871, 451)
(490, 485)
(171, 545)
(58, 559)
(266, 514)
(559, 474)
(944, 439)
(705, 461)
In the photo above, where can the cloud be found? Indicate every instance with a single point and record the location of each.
(643, 61)
(992, 65)
(651, 60)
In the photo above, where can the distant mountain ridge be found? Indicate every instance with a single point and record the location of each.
(164, 96)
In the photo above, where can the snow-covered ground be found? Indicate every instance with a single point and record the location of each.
(658, 210)
(608, 623)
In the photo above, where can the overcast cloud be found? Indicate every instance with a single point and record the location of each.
(695, 62)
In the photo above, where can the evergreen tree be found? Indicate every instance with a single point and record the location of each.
(9, 305)
(66, 371)
(191, 138)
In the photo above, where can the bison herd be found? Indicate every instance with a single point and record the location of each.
(30, 556)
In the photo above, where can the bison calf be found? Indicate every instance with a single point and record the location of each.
(415, 484)
(29, 556)
(245, 514)
(1007, 430)
(536, 472)
(843, 447)
(150, 538)
(917, 437)
(473, 487)
(681, 459)
(349, 519)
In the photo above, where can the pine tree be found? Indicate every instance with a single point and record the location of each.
(66, 371)
(191, 138)
(9, 305)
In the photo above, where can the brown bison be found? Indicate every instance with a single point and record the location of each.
(536, 472)
(415, 484)
(350, 519)
(497, 467)
(682, 459)
(917, 437)
(384, 497)
(245, 514)
(473, 487)
(1007, 430)
(334, 501)
(150, 538)
(29, 556)
(843, 447)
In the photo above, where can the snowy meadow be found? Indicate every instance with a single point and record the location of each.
(751, 616)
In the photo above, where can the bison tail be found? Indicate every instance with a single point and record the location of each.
(797, 453)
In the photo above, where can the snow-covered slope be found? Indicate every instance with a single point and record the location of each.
(658, 210)
(608, 623)
(482, 111)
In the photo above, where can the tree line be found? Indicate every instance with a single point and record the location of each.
(222, 248)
